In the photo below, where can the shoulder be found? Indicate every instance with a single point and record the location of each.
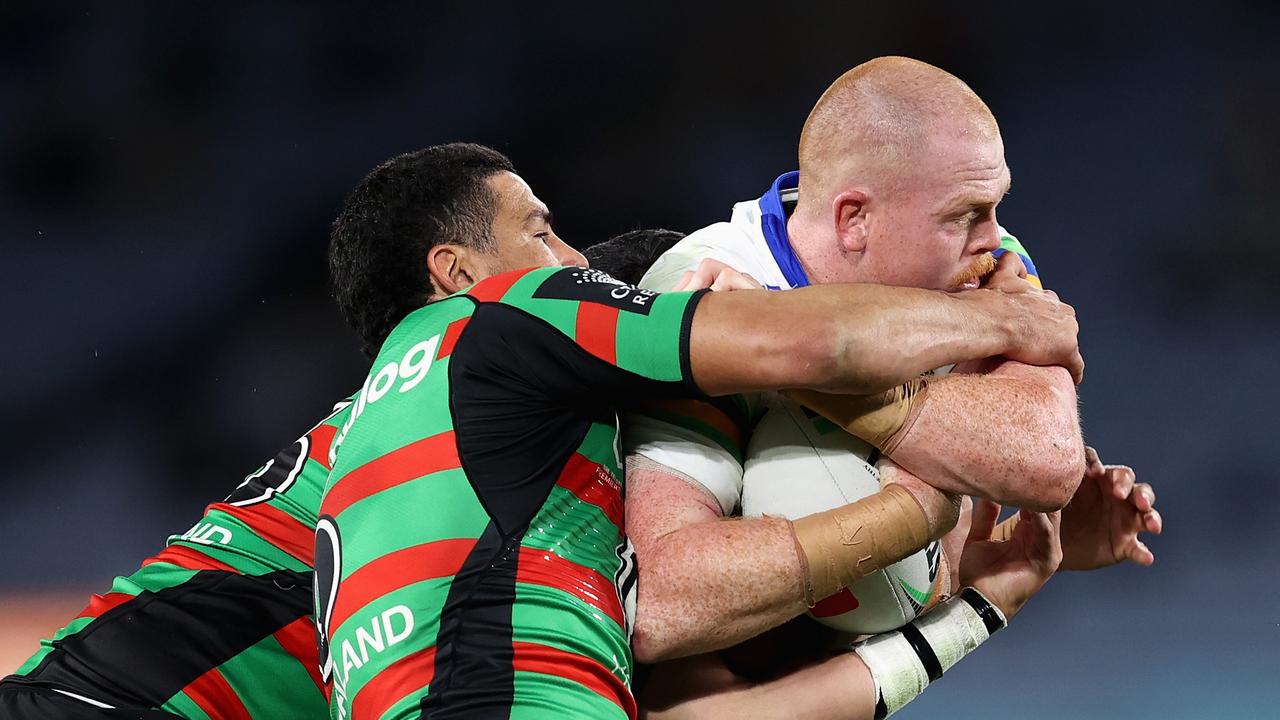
(728, 242)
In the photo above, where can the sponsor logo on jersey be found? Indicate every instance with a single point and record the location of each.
(206, 533)
(587, 285)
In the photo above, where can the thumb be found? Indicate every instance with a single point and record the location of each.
(985, 514)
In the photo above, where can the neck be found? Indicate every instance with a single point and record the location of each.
(814, 245)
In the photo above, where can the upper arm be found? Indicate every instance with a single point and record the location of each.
(661, 501)
(701, 441)
(588, 335)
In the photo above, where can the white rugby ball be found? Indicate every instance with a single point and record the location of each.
(798, 463)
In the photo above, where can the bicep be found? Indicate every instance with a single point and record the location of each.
(661, 501)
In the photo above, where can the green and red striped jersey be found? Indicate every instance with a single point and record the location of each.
(219, 624)
(470, 554)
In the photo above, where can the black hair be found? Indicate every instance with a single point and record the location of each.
(406, 206)
(628, 256)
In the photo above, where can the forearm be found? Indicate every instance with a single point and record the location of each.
(713, 584)
(853, 339)
(707, 583)
(1012, 436)
(838, 688)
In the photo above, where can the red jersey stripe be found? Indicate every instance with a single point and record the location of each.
(591, 483)
(277, 527)
(188, 558)
(492, 289)
(398, 680)
(216, 698)
(450, 339)
(393, 571)
(321, 439)
(597, 330)
(102, 603)
(543, 567)
(298, 638)
(532, 657)
(423, 457)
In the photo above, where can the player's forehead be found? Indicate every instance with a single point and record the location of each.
(964, 170)
(516, 200)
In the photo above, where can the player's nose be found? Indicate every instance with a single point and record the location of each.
(987, 237)
(566, 255)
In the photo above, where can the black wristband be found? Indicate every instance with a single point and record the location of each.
(990, 616)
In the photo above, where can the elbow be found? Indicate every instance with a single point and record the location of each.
(650, 642)
(1058, 474)
(1059, 458)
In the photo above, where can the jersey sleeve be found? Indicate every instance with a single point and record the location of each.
(610, 336)
(704, 441)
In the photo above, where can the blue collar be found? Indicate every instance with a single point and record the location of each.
(773, 221)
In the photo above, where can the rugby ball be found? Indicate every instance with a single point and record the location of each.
(799, 463)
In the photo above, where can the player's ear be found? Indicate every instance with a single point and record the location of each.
(452, 267)
(849, 211)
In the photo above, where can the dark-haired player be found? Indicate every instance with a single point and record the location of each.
(471, 560)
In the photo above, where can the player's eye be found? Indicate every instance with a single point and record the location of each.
(543, 236)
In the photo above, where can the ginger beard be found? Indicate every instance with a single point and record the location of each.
(972, 276)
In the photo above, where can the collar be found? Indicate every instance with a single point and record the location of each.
(773, 222)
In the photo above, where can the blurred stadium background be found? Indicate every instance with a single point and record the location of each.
(168, 173)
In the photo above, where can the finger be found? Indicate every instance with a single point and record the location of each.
(1121, 479)
(1143, 497)
(1092, 462)
(1076, 366)
(1011, 262)
(685, 279)
(1140, 554)
(1038, 532)
(730, 279)
(985, 515)
(1153, 523)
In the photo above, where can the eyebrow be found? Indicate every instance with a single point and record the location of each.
(540, 213)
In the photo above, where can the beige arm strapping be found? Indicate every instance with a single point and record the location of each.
(842, 545)
(881, 419)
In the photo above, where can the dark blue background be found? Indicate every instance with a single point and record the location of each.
(168, 173)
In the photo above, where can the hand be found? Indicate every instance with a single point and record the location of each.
(940, 509)
(1008, 573)
(1042, 329)
(1010, 275)
(717, 276)
(1100, 525)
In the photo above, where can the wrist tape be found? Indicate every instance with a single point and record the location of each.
(904, 662)
(882, 419)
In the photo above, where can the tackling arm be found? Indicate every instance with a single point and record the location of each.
(861, 339)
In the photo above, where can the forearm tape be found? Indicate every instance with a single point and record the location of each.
(852, 541)
(882, 419)
(904, 662)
